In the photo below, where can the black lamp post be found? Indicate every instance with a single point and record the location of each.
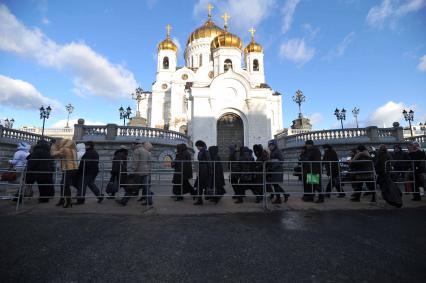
(409, 116)
(44, 114)
(299, 98)
(9, 123)
(69, 109)
(355, 112)
(125, 113)
(340, 115)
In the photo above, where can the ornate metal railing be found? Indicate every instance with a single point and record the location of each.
(18, 135)
(129, 131)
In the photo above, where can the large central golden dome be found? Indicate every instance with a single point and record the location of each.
(209, 29)
(226, 40)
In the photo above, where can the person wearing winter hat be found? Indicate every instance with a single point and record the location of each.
(275, 169)
(204, 171)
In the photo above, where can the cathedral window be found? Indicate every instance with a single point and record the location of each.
(255, 65)
(227, 65)
(165, 62)
(201, 60)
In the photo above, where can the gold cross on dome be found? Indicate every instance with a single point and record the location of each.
(168, 28)
(209, 9)
(225, 18)
(252, 31)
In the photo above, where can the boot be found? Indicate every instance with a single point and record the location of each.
(373, 198)
(101, 198)
(286, 196)
(277, 200)
(199, 201)
(67, 203)
(61, 202)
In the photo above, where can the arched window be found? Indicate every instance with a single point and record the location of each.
(255, 65)
(165, 62)
(201, 60)
(227, 65)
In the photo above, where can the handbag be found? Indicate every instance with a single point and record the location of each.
(313, 179)
(8, 176)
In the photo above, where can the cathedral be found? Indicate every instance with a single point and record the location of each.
(220, 96)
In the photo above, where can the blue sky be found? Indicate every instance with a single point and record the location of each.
(340, 53)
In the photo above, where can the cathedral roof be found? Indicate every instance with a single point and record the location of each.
(253, 46)
(167, 44)
(208, 30)
(226, 39)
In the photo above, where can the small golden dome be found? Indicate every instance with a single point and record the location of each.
(253, 45)
(167, 44)
(209, 29)
(226, 40)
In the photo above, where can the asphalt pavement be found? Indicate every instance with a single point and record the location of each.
(382, 245)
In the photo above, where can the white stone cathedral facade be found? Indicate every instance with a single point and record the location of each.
(219, 96)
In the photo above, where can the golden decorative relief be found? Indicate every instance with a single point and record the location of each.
(184, 77)
(211, 74)
(164, 86)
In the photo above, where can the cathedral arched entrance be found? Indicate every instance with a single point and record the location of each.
(230, 130)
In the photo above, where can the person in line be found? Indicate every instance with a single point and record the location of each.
(275, 169)
(331, 164)
(204, 171)
(88, 169)
(81, 150)
(234, 168)
(40, 169)
(361, 166)
(262, 156)
(182, 172)
(217, 178)
(140, 173)
(246, 165)
(312, 153)
(19, 163)
(415, 153)
(118, 171)
(65, 151)
(382, 165)
(400, 165)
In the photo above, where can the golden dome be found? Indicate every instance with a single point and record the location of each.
(167, 44)
(253, 46)
(209, 29)
(226, 40)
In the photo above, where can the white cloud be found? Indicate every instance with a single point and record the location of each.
(23, 95)
(341, 47)
(45, 21)
(392, 10)
(244, 14)
(386, 114)
(311, 31)
(92, 72)
(63, 123)
(287, 12)
(316, 118)
(297, 51)
(422, 64)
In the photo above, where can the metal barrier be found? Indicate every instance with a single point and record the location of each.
(403, 173)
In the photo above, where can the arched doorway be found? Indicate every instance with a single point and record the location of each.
(230, 130)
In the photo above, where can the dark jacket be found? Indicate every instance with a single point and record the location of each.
(419, 166)
(119, 161)
(204, 169)
(362, 162)
(246, 166)
(311, 154)
(262, 157)
(218, 179)
(332, 167)
(382, 164)
(182, 164)
(40, 162)
(89, 163)
(275, 165)
(400, 165)
(234, 155)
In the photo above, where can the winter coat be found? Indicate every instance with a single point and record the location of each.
(182, 168)
(19, 160)
(246, 167)
(141, 159)
(81, 149)
(65, 150)
(357, 165)
(333, 166)
(258, 166)
(89, 163)
(419, 166)
(217, 177)
(382, 164)
(119, 161)
(40, 162)
(204, 169)
(234, 155)
(275, 165)
(311, 154)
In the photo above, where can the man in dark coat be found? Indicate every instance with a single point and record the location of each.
(415, 153)
(217, 179)
(362, 163)
(183, 172)
(400, 166)
(262, 156)
(204, 171)
(234, 167)
(275, 169)
(246, 173)
(312, 153)
(118, 170)
(88, 169)
(40, 168)
(331, 164)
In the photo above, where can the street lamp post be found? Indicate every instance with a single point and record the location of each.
(44, 114)
(423, 127)
(340, 115)
(125, 113)
(69, 109)
(355, 112)
(139, 95)
(409, 116)
(9, 123)
(299, 98)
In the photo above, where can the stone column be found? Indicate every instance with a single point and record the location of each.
(112, 130)
(79, 130)
(399, 132)
(372, 134)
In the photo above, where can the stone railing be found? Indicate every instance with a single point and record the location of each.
(338, 136)
(113, 132)
(17, 135)
(420, 139)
